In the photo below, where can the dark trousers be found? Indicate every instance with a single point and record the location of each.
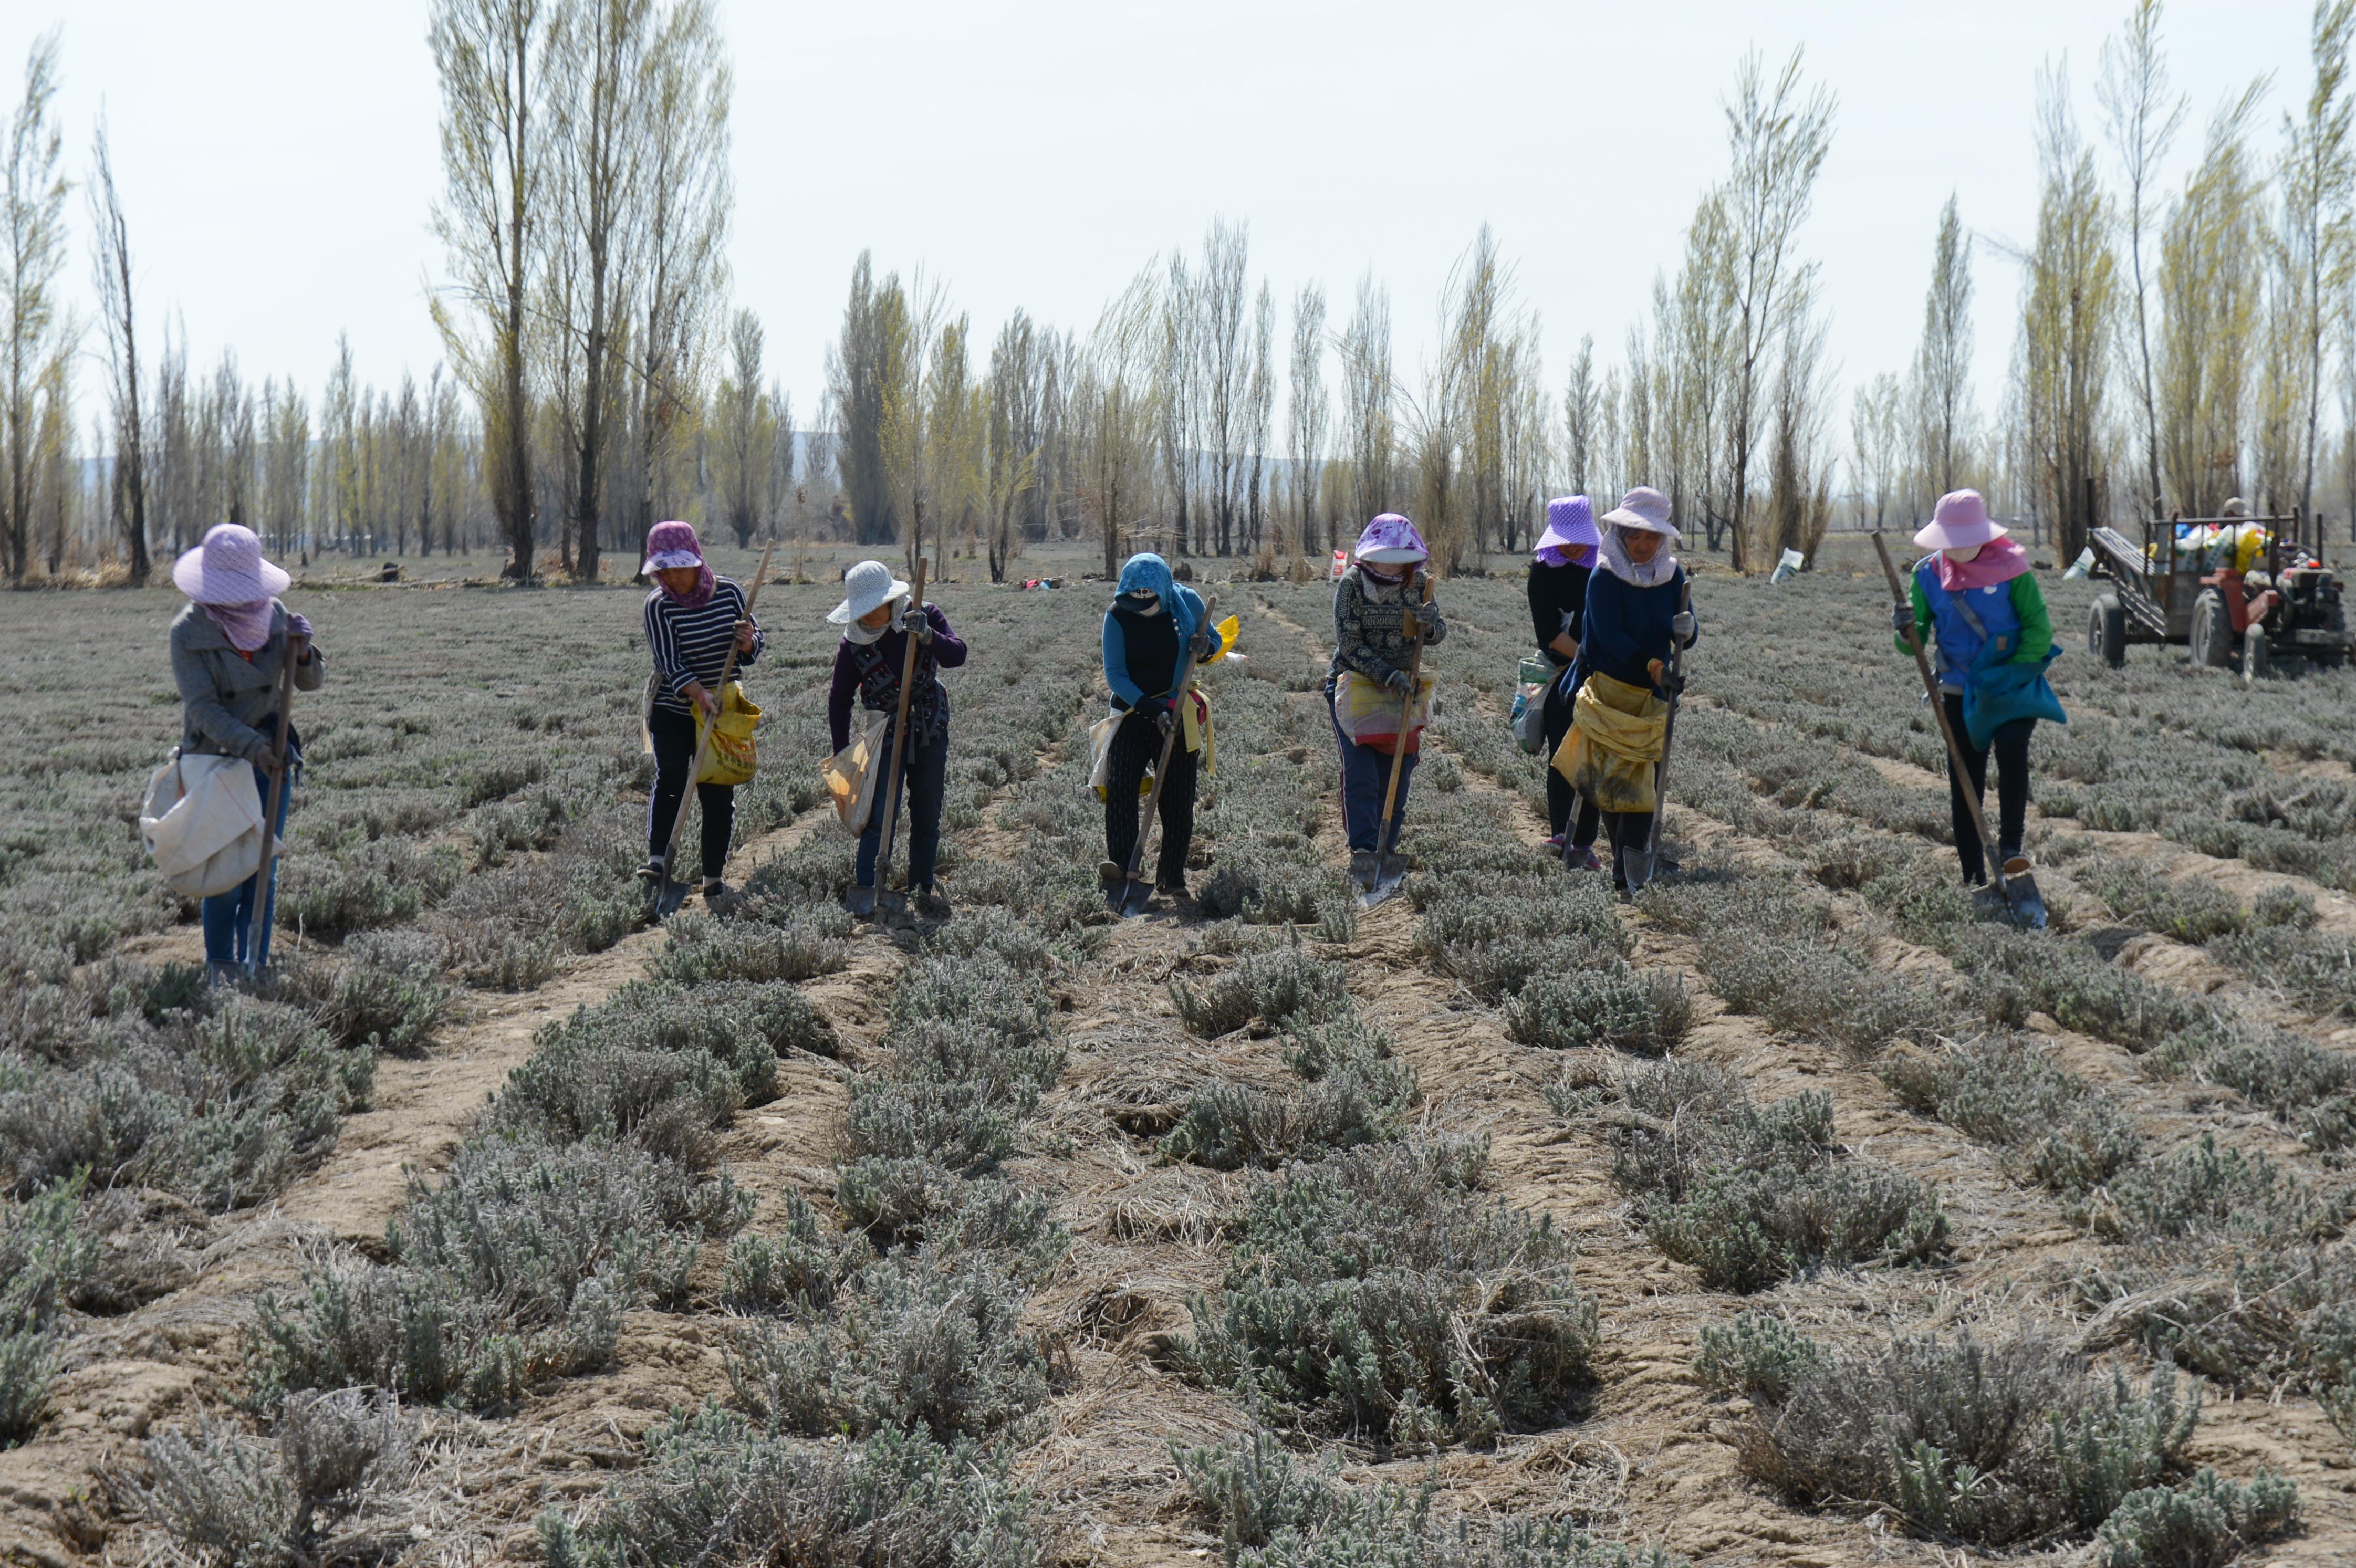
(231, 935)
(2010, 744)
(674, 738)
(1562, 799)
(1136, 747)
(924, 772)
(1366, 776)
(1627, 830)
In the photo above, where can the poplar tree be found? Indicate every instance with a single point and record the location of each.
(32, 254)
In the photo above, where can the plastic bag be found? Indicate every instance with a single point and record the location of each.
(1368, 712)
(1612, 753)
(203, 822)
(1101, 735)
(850, 774)
(1528, 717)
(732, 759)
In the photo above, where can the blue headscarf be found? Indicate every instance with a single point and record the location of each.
(1147, 572)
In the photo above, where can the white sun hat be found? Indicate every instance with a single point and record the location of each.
(866, 586)
(1642, 509)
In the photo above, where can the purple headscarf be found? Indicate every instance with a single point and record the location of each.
(1390, 541)
(670, 545)
(1571, 533)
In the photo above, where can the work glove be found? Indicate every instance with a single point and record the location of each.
(1672, 683)
(1203, 645)
(1165, 720)
(297, 625)
(1155, 707)
(1901, 618)
(1397, 681)
(915, 623)
(1683, 626)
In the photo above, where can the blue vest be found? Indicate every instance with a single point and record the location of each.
(1960, 643)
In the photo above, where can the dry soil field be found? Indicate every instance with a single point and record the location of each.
(1792, 1214)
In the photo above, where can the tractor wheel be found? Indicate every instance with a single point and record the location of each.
(2106, 631)
(2213, 632)
(2257, 659)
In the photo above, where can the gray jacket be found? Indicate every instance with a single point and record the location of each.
(224, 697)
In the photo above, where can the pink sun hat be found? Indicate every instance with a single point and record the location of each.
(228, 569)
(1960, 522)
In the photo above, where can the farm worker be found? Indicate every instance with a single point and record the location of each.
(877, 620)
(1975, 586)
(1373, 638)
(1635, 620)
(228, 645)
(1559, 566)
(692, 618)
(1153, 620)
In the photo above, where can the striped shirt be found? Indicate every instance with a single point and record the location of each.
(692, 644)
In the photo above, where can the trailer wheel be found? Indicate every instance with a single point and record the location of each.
(2257, 659)
(2211, 643)
(2106, 630)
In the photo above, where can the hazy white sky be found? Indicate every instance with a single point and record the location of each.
(278, 157)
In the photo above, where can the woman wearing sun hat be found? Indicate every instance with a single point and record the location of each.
(1372, 638)
(229, 646)
(692, 618)
(1635, 619)
(1975, 596)
(1561, 564)
(877, 621)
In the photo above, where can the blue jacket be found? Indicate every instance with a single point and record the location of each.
(1184, 606)
(1627, 625)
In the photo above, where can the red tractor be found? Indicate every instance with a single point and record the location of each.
(2239, 591)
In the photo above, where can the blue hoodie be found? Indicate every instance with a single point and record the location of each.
(1182, 605)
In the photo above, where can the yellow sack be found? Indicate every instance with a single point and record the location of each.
(732, 759)
(1614, 745)
(850, 774)
(1197, 735)
(1227, 630)
(1367, 712)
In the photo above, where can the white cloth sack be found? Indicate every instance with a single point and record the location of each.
(203, 822)
(851, 775)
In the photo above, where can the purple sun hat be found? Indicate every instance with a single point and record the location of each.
(1391, 539)
(228, 569)
(1571, 526)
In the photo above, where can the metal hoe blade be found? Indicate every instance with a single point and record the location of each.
(670, 896)
(1129, 897)
(1391, 872)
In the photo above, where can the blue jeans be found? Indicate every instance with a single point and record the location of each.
(926, 767)
(1366, 774)
(229, 934)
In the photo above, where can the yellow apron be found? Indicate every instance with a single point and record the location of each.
(1613, 750)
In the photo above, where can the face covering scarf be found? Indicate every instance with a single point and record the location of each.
(247, 625)
(1650, 574)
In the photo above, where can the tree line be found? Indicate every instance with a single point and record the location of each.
(2171, 347)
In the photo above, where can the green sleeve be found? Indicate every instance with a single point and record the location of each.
(1921, 618)
(2036, 621)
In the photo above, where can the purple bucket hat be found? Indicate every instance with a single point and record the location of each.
(1960, 521)
(1390, 539)
(228, 569)
(1570, 524)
